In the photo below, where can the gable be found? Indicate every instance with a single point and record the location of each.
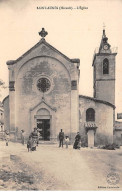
(42, 48)
(43, 105)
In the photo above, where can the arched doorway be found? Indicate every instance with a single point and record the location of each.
(90, 126)
(43, 122)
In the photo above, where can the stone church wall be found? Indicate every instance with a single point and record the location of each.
(28, 95)
(103, 121)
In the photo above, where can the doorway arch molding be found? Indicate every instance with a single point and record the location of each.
(44, 111)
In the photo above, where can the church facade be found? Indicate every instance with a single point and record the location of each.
(44, 93)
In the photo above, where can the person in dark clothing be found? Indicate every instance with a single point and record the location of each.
(29, 144)
(34, 137)
(77, 140)
(34, 133)
(34, 144)
(61, 138)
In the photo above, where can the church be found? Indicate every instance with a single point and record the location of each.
(44, 93)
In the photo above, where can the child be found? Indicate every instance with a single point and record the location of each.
(34, 144)
(67, 141)
(6, 137)
(6, 142)
(29, 144)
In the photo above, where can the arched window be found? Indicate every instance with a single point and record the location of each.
(90, 114)
(105, 66)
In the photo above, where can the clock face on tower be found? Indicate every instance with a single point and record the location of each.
(106, 47)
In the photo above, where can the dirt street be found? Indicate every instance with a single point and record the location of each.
(53, 168)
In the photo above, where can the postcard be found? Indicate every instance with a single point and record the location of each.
(60, 95)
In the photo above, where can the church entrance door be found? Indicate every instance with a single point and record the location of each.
(44, 129)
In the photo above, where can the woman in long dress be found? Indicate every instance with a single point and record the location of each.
(77, 141)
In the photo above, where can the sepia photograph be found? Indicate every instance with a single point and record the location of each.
(60, 95)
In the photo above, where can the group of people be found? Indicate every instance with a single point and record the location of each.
(33, 139)
(63, 138)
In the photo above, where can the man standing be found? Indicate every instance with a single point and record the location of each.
(61, 138)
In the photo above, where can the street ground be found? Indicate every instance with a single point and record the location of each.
(54, 168)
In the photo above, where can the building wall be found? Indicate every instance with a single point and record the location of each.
(1, 116)
(118, 133)
(104, 84)
(104, 90)
(118, 137)
(6, 114)
(103, 121)
(1, 121)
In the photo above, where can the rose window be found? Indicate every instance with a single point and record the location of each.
(43, 84)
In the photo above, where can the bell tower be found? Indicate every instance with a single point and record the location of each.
(104, 71)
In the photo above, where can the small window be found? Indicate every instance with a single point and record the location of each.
(105, 66)
(90, 114)
(74, 84)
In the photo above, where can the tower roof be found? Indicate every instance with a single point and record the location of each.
(104, 45)
(104, 48)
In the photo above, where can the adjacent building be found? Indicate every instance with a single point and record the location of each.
(1, 121)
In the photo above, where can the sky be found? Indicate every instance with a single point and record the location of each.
(76, 33)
